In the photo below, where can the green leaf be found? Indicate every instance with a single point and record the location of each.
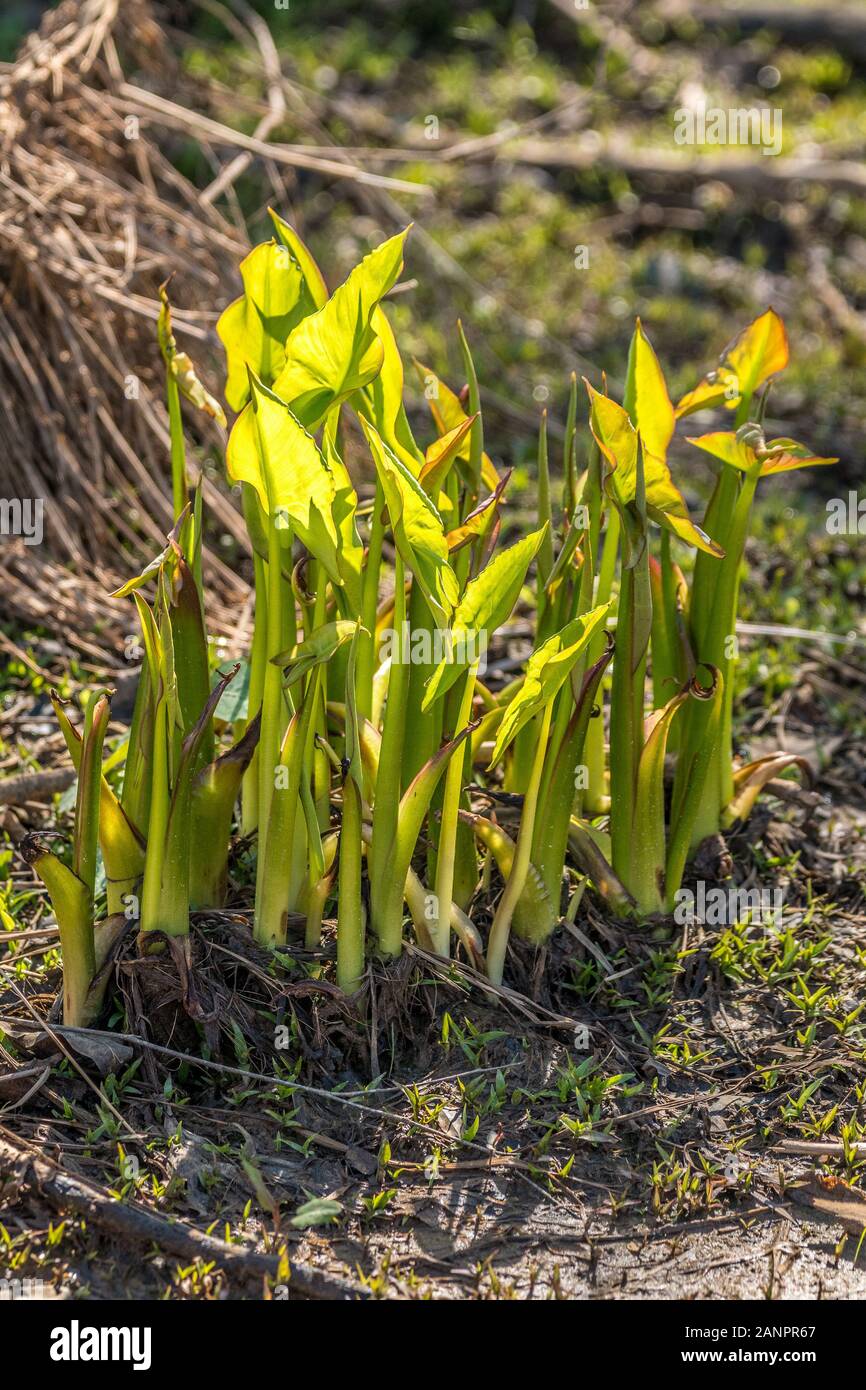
(417, 526)
(486, 604)
(448, 414)
(72, 902)
(254, 328)
(757, 353)
(440, 456)
(319, 1211)
(336, 351)
(344, 512)
(746, 447)
(324, 643)
(617, 438)
(272, 452)
(546, 671)
(646, 398)
(119, 843)
(382, 400)
(313, 277)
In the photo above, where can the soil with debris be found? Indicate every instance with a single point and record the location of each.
(672, 1112)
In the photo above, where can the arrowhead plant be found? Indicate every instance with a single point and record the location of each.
(371, 768)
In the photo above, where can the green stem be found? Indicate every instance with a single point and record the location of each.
(720, 629)
(179, 488)
(258, 664)
(626, 722)
(278, 868)
(500, 931)
(350, 909)
(421, 726)
(595, 800)
(157, 825)
(89, 792)
(272, 698)
(544, 563)
(369, 606)
(440, 929)
(386, 903)
(557, 792)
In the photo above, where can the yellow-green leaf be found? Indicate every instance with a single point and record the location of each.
(320, 646)
(315, 280)
(272, 452)
(441, 455)
(546, 671)
(417, 527)
(646, 397)
(253, 329)
(756, 354)
(335, 351)
(746, 447)
(382, 400)
(448, 414)
(485, 605)
(618, 441)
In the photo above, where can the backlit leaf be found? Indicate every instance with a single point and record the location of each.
(745, 448)
(486, 604)
(546, 671)
(617, 439)
(756, 354)
(417, 528)
(254, 328)
(448, 414)
(336, 351)
(382, 400)
(271, 451)
(646, 397)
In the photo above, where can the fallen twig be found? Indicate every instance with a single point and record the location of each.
(27, 1170)
(35, 786)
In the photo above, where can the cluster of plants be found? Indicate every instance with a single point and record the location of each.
(368, 736)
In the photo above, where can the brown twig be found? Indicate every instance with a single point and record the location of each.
(26, 1170)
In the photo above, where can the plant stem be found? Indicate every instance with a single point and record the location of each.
(500, 930)
(179, 488)
(369, 604)
(258, 663)
(440, 928)
(272, 699)
(157, 825)
(595, 800)
(273, 889)
(386, 905)
(350, 908)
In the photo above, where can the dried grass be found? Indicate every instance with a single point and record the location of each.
(91, 222)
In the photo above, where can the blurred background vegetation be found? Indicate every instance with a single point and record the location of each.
(497, 236)
(499, 227)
